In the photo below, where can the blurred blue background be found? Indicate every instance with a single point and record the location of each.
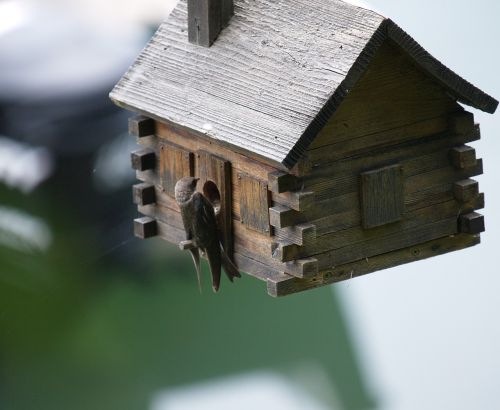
(92, 318)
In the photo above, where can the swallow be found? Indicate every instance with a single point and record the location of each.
(200, 224)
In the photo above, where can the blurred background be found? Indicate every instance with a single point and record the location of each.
(92, 318)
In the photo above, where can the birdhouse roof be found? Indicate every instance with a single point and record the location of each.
(274, 76)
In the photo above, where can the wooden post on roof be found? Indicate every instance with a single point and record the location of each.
(206, 19)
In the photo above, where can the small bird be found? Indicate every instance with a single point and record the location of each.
(200, 224)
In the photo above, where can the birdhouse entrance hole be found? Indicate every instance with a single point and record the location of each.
(212, 193)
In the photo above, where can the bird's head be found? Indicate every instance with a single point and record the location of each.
(185, 188)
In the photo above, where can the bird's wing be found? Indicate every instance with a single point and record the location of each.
(186, 221)
(204, 224)
(206, 235)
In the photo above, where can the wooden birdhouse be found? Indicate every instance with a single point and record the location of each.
(329, 141)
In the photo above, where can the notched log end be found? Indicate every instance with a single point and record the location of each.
(303, 268)
(280, 182)
(466, 190)
(284, 251)
(282, 217)
(461, 123)
(472, 223)
(463, 157)
(143, 194)
(145, 227)
(141, 126)
(143, 159)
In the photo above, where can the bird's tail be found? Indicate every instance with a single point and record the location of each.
(228, 265)
(195, 254)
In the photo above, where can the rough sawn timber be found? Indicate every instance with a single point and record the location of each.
(275, 75)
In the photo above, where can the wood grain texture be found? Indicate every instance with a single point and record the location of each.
(212, 168)
(282, 285)
(275, 75)
(382, 196)
(254, 203)
(466, 190)
(300, 201)
(204, 21)
(393, 93)
(282, 217)
(254, 165)
(175, 163)
(463, 156)
(300, 234)
(285, 251)
(302, 268)
(357, 235)
(282, 182)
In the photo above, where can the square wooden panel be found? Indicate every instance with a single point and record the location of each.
(254, 203)
(382, 196)
(175, 163)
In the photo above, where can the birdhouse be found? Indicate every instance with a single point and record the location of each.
(329, 142)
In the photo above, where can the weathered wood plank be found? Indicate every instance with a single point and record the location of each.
(417, 157)
(256, 268)
(422, 199)
(299, 234)
(175, 163)
(254, 83)
(256, 79)
(213, 169)
(418, 188)
(302, 268)
(380, 245)
(254, 203)
(441, 176)
(284, 285)
(414, 219)
(300, 201)
(170, 233)
(162, 214)
(404, 95)
(191, 141)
